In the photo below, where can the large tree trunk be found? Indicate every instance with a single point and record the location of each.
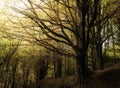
(99, 47)
(99, 51)
(82, 69)
(99, 38)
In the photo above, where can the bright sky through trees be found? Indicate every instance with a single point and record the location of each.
(14, 3)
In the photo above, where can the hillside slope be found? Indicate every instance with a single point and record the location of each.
(107, 78)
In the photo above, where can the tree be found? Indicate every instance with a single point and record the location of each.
(101, 32)
(60, 25)
(42, 65)
(58, 20)
(8, 63)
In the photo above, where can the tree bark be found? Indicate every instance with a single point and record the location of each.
(82, 69)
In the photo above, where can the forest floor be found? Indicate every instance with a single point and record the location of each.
(107, 78)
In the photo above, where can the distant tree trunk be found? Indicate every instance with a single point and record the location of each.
(101, 58)
(43, 69)
(58, 68)
(13, 85)
(113, 43)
